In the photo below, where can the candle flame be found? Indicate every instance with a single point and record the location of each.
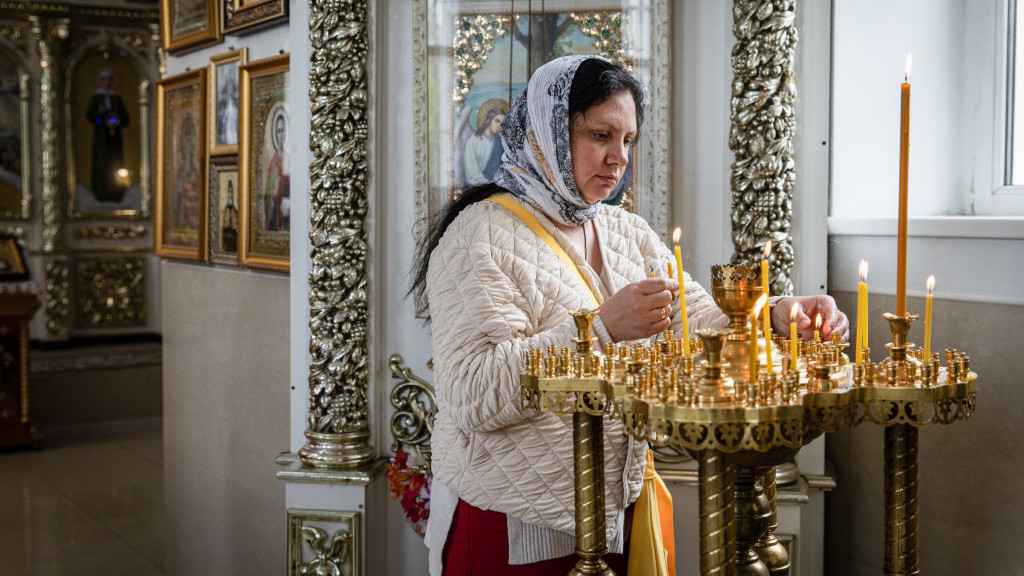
(793, 312)
(817, 321)
(676, 235)
(908, 66)
(760, 304)
(931, 283)
(767, 248)
(863, 270)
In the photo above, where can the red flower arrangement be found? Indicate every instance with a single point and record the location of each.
(411, 485)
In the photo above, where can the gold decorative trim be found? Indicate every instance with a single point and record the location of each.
(323, 542)
(109, 232)
(337, 426)
(474, 40)
(295, 471)
(49, 42)
(763, 124)
(161, 54)
(50, 9)
(414, 402)
(16, 231)
(57, 300)
(606, 30)
(16, 35)
(110, 292)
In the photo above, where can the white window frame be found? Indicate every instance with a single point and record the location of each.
(990, 194)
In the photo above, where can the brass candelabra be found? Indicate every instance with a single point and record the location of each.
(739, 428)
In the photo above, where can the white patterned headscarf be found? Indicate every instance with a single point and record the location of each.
(536, 163)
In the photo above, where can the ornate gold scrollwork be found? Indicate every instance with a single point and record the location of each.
(606, 30)
(474, 40)
(763, 123)
(58, 303)
(16, 35)
(323, 542)
(110, 292)
(109, 232)
(415, 405)
(49, 40)
(337, 423)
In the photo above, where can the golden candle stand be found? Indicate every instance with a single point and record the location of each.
(738, 431)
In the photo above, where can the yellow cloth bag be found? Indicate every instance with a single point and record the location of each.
(652, 543)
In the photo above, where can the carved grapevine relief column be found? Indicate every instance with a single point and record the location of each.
(763, 123)
(337, 426)
(49, 41)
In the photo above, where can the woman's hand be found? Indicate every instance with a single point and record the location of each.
(640, 310)
(832, 318)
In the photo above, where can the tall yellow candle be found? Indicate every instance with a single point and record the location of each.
(794, 337)
(766, 313)
(901, 240)
(752, 369)
(817, 327)
(676, 235)
(862, 312)
(928, 320)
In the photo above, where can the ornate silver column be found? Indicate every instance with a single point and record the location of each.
(761, 135)
(49, 42)
(337, 427)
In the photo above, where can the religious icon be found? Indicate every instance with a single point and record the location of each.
(264, 165)
(108, 116)
(276, 201)
(14, 189)
(105, 136)
(181, 173)
(224, 101)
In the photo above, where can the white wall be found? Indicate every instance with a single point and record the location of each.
(226, 359)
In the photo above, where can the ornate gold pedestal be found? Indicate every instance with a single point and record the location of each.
(739, 431)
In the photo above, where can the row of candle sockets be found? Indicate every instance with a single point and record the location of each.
(677, 383)
(913, 373)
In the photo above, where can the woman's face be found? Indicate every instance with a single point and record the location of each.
(599, 141)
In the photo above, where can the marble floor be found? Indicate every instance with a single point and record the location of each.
(85, 504)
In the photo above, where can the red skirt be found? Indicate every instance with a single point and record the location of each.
(477, 545)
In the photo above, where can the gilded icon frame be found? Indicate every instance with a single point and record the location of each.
(190, 31)
(136, 96)
(13, 263)
(447, 62)
(220, 143)
(223, 169)
(181, 195)
(250, 15)
(19, 204)
(263, 235)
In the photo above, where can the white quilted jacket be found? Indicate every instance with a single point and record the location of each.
(495, 290)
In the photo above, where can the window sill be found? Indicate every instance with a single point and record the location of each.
(977, 227)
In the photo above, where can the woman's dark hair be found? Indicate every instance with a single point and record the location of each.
(594, 82)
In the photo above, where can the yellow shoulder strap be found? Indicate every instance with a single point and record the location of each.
(531, 221)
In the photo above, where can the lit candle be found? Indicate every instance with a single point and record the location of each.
(901, 246)
(752, 370)
(766, 313)
(817, 327)
(794, 337)
(862, 311)
(928, 320)
(676, 236)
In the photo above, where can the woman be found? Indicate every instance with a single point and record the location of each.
(502, 497)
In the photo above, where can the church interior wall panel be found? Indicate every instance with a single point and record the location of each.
(225, 418)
